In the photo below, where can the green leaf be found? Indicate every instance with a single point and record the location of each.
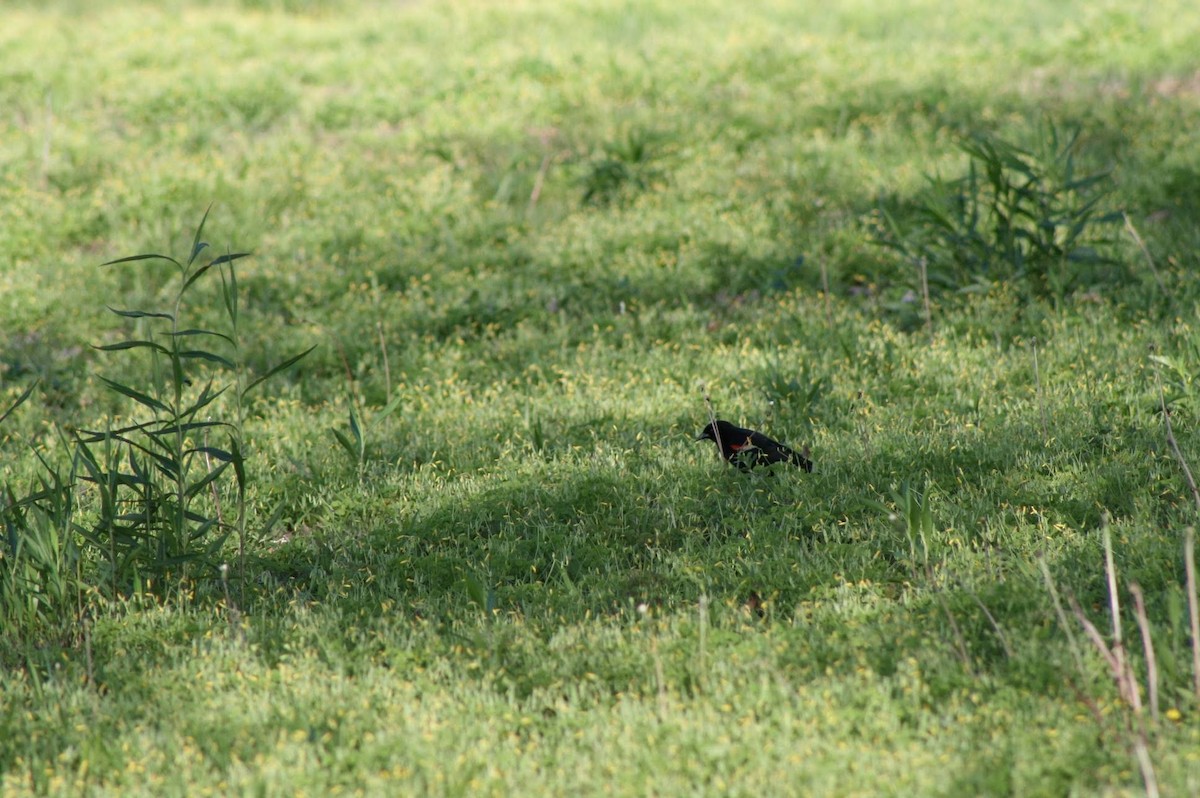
(196, 274)
(273, 518)
(149, 256)
(140, 314)
(207, 397)
(195, 488)
(117, 347)
(278, 368)
(197, 245)
(387, 410)
(191, 426)
(228, 258)
(168, 466)
(355, 431)
(346, 444)
(229, 292)
(476, 592)
(214, 547)
(196, 331)
(239, 465)
(20, 400)
(212, 451)
(137, 396)
(1162, 360)
(200, 354)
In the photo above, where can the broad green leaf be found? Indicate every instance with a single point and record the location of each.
(191, 426)
(137, 396)
(476, 592)
(346, 444)
(95, 436)
(239, 465)
(117, 347)
(167, 466)
(212, 451)
(229, 292)
(200, 354)
(140, 314)
(354, 430)
(1163, 360)
(213, 333)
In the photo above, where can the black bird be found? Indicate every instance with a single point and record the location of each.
(746, 448)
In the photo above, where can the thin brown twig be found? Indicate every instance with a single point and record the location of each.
(47, 135)
(712, 418)
(1008, 652)
(1143, 622)
(825, 290)
(1189, 565)
(1110, 572)
(1062, 615)
(1145, 765)
(1174, 444)
(1097, 639)
(216, 497)
(387, 371)
(538, 180)
(1137, 239)
(660, 677)
(1116, 663)
(1037, 379)
(87, 650)
(1114, 608)
(925, 295)
(960, 640)
(1122, 674)
(703, 641)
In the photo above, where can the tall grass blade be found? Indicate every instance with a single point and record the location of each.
(150, 256)
(18, 401)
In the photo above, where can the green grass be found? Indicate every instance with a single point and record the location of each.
(538, 235)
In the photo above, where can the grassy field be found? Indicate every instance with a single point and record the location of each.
(467, 544)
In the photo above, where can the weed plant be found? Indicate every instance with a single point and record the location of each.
(156, 523)
(1021, 216)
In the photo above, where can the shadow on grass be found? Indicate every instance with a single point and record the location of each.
(573, 535)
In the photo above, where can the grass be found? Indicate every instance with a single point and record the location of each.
(480, 551)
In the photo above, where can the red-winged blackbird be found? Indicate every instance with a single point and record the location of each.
(746, 448)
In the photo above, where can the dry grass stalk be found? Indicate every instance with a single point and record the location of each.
(1143, 621)
(1189, 563)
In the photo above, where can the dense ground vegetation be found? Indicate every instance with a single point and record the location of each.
(466, 544)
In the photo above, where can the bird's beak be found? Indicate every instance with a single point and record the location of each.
(701, 437)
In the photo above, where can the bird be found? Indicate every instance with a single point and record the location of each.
(746, 448)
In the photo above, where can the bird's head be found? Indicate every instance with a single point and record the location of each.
(715, 431)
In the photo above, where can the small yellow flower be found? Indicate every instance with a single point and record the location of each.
(1174, 714)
